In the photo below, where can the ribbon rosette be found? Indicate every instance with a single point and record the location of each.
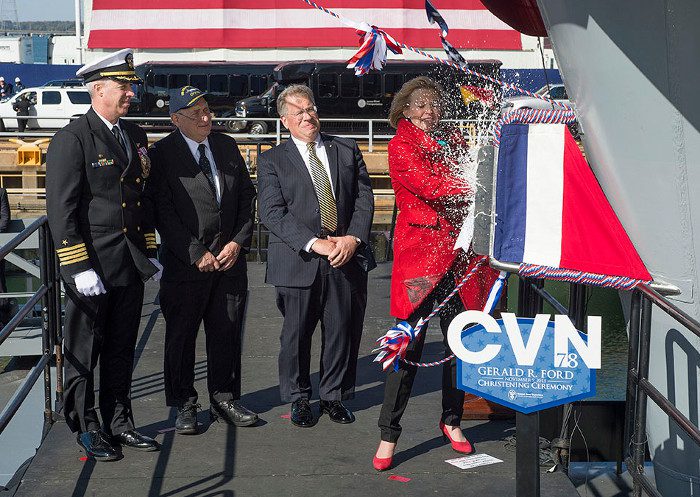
(372, 52)
(393, 345)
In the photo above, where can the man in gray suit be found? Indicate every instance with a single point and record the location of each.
(315, 197)
(203, 198)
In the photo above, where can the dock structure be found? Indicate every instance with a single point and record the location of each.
(274, 458)
(26, 183)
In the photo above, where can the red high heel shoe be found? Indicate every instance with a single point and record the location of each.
(461, 447)
(382, 463)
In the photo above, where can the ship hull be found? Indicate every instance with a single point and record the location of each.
(631, 69)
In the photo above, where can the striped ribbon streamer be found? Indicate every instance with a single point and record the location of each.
(532, 116)
(571, 276)
(393, 344)
(367, 28)
(491, 302)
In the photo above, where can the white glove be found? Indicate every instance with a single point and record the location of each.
(156, 277)
(89, 283)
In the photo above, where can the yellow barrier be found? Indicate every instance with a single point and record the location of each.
(29, 154)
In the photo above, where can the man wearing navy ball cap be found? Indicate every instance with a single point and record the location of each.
(203, 197)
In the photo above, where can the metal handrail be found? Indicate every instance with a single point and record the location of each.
(277, 135)
(49, 295)
(640, 389)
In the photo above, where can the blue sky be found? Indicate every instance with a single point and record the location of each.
(46, 10)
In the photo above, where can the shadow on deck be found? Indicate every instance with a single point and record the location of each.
(275, 458)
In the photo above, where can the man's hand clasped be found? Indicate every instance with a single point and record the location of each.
(222, 262)
(338, 249)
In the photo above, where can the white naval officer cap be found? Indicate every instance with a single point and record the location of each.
(118, 66)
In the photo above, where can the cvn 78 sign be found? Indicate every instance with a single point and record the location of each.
(528, 364)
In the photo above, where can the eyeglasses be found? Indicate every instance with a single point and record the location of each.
(311, 111)
(198, 115)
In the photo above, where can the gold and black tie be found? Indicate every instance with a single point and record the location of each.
(322, 183)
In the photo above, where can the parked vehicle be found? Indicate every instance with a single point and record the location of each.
(63, 83)
(341, 94)
(225, 82)
(555, 92)
(51, 101)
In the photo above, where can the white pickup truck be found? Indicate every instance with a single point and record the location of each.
(49, 102)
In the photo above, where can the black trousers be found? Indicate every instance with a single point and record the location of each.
(337, 299)
(22, 123)
(219, 302)
(100, 329)
(398, 384)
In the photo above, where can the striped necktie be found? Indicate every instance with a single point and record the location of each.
(322, 184)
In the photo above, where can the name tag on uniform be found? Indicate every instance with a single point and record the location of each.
(103, 162)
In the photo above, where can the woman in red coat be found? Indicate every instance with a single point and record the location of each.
(433, 198)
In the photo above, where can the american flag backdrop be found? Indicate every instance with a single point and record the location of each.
(288, 23)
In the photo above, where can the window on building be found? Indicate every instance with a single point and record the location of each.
(177, 81)
(349, 85)
(199, 81)
(159, 84)
(327, 85)
(392, 83)
(258, 84)
(371, 85)
(218, 84)
(238, 85)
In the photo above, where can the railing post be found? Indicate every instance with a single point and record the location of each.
(371, 136)
(55, 323)
(632, 365)
(46, 344)
(279, 131)
(577, 313)
(527, 449)
(639, 438)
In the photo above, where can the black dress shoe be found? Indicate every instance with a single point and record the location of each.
(301, 414)
(186, 422)
(96, 444)
(232, 412)
(337, 411)
(133, 439)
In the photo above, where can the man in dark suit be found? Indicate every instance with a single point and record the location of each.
(203, 197)
(315, 197)
(96, 168)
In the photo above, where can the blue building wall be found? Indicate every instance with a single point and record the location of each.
(36, 74)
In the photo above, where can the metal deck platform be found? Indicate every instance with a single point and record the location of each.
(275, 458)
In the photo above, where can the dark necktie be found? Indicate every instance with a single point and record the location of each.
(205, 165)
(117, 134)
(322, 184)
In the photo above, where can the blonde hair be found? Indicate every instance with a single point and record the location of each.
(403, 96)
